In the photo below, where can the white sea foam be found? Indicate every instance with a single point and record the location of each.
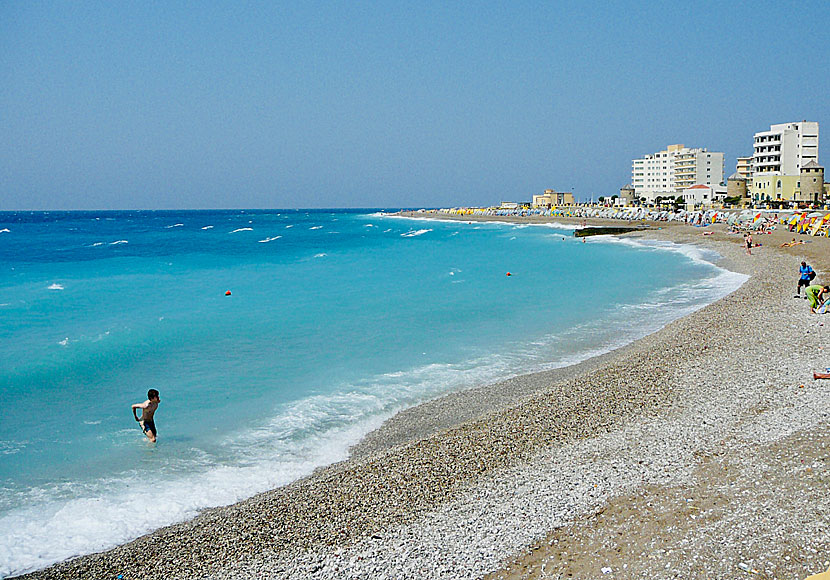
(321, 255)
(5, 231)
(315, 227)
(413, 233)
(694, 253)
(174, 226)
(117, 242)
(242, 230)
(556, 226)
(289, 226)
(96, 244)
(55, 287)
(269, 239)
(10, 447)
(64, 342)
(106, 513)
(207, 228)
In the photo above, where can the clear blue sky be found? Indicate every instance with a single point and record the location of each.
(385, 104)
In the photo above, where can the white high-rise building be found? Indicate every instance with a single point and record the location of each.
(779, 154)
(785, 148)
(667, 173)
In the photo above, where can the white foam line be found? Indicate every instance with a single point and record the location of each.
(413, 233)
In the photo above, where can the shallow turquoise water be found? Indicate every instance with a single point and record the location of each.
(337, 320)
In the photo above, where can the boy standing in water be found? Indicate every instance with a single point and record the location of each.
(148, 409)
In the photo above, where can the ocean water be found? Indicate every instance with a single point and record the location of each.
(336, 320)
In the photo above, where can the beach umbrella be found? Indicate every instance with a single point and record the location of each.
(815, 214)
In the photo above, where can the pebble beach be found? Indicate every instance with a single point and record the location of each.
(700, 451)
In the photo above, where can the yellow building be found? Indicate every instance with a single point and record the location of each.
(553, 198)
(806, 188)
(774, 188)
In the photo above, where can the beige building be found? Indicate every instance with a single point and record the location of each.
(744, 168)
(552, 198)
(805, 188)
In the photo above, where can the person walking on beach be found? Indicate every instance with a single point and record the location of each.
(817, 294)
(807, 275)
(748, 244)
(148, 410)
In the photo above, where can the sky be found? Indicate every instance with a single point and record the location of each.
(180, 105)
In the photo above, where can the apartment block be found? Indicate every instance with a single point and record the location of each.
(779, 155)
(744, 168)
(667, 173)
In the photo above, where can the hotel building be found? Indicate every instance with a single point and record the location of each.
(553, 198)
(744, 168)
(779, 156)
(667, 173)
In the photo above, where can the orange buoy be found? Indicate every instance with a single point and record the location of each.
(228, 293)
(509, 274)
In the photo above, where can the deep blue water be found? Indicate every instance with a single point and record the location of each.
(336, 320)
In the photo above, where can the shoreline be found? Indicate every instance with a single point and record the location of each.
(345, 520)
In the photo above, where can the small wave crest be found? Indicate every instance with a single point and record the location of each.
(266, 240)
(242, 230)
(55, 286)
(413, 233)
(118, 242)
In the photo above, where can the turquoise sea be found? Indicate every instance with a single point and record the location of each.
(336, 320)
